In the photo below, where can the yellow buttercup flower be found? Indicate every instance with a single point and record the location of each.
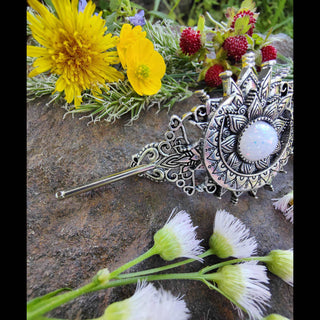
(145, 67)
(75, 46)
(128, 36)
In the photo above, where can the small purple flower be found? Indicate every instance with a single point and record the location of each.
(82, 5)
(138, 19)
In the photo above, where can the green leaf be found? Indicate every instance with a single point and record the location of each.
(47, 296)
(201, 23)
(200, 27)
(159, 14)
(218, 37)
(115, 5)
(49, 3)
(248, 4)
(258, 40)
(250, 41)
(110, 21)
(242, 25)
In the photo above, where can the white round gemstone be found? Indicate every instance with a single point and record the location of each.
(258, 141)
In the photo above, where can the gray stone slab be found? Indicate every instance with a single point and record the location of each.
(69, 241)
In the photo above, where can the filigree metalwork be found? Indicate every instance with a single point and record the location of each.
(214, 163)
(209, 156)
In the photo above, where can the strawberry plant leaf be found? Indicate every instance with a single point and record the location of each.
(242, 25)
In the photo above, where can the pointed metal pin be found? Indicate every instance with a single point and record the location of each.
(101, 182)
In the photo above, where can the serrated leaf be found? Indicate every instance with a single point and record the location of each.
(242, 25)
(230, 13)
(248, 4)
(201, 23)
(219, 37)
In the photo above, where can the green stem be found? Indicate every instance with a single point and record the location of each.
(157, 277)
(213, 287)
(133, 262)
(205, 278)
(54, 302)
(163, 268)
(155, 8)
(174, 6)
(224, 263)
(214, 21)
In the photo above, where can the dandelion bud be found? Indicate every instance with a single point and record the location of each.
(280, 263)
(177, 238)
(231, 237)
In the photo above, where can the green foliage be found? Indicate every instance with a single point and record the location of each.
(277, 14)
(182, 71)
(121, 99)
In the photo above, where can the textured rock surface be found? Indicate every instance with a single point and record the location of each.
(283, 44)
(69, 241)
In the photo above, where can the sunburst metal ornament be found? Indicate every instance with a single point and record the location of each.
(242, 139)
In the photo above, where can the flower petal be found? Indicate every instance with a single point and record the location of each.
(33, 51)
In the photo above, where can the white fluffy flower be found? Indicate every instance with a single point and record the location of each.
(148, 303)
(170, 307)
(137, 307)
(177, 238)
(280, 263)
(245, 284)
(285, 205)
(231, 237)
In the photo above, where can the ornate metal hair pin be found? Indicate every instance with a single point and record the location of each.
(242, 140)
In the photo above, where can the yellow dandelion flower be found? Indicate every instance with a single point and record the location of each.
(128, 36)
(145, 67)
(74, 45)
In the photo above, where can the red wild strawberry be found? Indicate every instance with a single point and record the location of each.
(190, 41)
(268, 53)
(236, 47)
(252, 20)
(212, 78)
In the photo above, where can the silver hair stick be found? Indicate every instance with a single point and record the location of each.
(240, 142)
(101, 182)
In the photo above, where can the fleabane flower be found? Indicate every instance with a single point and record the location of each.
(285, 205)
(231, 237)
(128, 36)
(170, 307)
(148, 303)
(75, 46)
(177, 238)
(274, 316)
(280, 263)
(134, 308)
(245, 284)
(145, 67)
